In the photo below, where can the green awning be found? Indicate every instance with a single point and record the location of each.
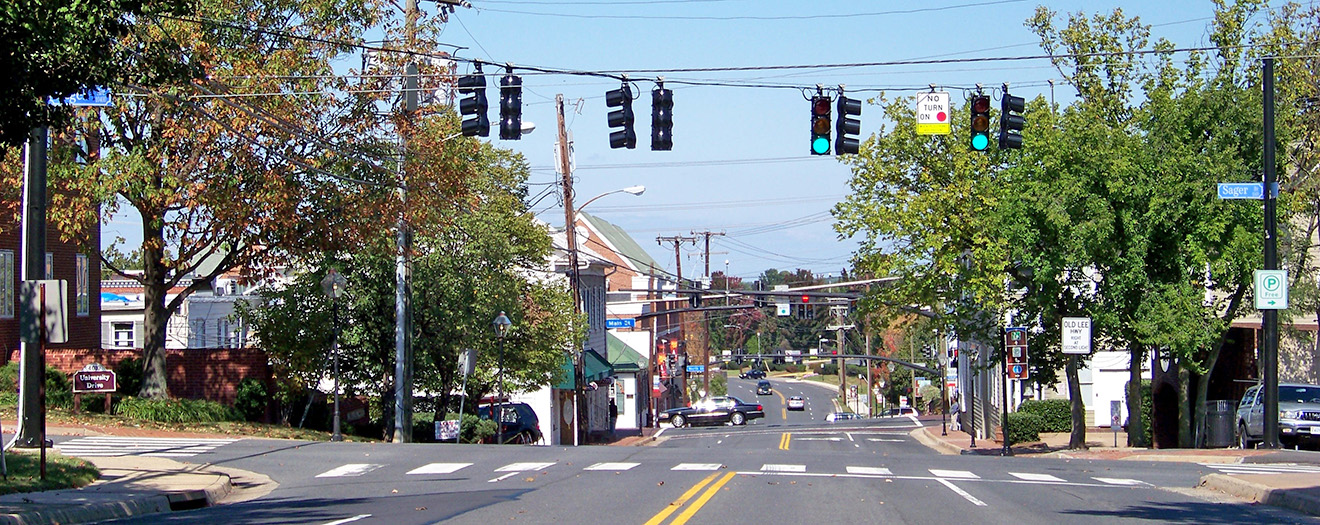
(623, 358)
(596, 369)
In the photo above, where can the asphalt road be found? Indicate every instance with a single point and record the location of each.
(786, 468)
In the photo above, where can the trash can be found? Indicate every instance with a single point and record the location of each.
(1218, 429)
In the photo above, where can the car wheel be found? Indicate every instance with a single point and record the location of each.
(678, 421)
(1244, 441)
(738, 418)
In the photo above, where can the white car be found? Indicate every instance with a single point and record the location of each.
(842, 416)
(797, 403)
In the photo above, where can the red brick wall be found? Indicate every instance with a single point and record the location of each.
(211, 373)
(84, 330)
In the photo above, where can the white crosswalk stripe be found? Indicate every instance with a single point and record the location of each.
(1029, 476)
(112, 446)
(1120, 481)
(955, 474)
(522, 467)
(783, 468)
(697, 466)
(873, 471)
(439, 468)
(615, 466)
(349, 470)
(1263, 468)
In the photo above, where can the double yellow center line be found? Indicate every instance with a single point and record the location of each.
(696, 505)
(783, 441)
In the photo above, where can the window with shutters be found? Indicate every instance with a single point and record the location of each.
(123, 335)
(84, 293)
(7, 300)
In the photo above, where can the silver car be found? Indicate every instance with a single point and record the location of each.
(1299, 415)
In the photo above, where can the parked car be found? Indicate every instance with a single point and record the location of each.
(752, 373)
(517, 426)
(763, 388)
(1299, 415)
(797, 403)
(714, 411)
(842, 416)
(900, 411)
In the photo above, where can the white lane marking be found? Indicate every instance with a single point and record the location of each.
(956, 474)
(1120, 481)
(439, 468)
(616, 466)
(519, 467)
(1029, 476)
(347, 520)
(886, 440)
(783, 468)
(1262, 468)
(849, 434)
(502, 478)
(961, 492)
(349, 470)
(696, 466)
(874, 471)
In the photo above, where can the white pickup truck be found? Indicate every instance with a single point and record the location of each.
(1299, 415)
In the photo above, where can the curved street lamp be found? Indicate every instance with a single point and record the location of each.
(334, 285)
(501, 324)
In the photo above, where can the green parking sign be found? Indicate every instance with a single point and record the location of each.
(1271, 289)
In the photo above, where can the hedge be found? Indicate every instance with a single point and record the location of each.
(1024, 427)
(1055, 414)
(176, 410)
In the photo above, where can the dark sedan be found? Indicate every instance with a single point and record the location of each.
(714, 411)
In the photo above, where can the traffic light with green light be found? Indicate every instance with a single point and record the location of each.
(980, 122)
(820, 125)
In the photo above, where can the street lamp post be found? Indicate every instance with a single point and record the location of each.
(333, 285)
(501, 324)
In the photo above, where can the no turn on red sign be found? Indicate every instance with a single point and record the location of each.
(933, 113)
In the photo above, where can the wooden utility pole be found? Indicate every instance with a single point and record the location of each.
(678, 241)
(570, 238)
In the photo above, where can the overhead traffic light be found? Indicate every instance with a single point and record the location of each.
(511, 107)
(980, 122)
(662, 118)
(473, 107)
(820, 125)
(846, 126)
(1011, 120)
(621, 118)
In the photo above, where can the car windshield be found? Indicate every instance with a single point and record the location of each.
(1299, 394)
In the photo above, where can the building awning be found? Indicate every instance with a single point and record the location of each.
(596, 368)
(623, 357)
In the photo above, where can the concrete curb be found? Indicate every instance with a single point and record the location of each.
(937, 444)
(1288, 499)
(127, 507)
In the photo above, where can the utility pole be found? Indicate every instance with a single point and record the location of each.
(1269, 352)
(403, 355)
(32, 420)
(707, 235)
(570, 237)
(677, 241)
(705, 325)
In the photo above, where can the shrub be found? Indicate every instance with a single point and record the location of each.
(176, 410)
(59, 393)
(128, 376)
(1024, 427)
(251, 399)
(1055, 414)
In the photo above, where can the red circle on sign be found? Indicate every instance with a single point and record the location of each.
(941, 116)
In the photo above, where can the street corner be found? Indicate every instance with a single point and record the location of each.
(1294, 492)
(949, 445)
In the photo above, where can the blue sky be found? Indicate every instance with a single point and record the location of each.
(740, 163)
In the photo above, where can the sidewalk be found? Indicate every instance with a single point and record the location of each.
(1300, 492)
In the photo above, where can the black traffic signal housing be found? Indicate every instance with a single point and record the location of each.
(847, 127)
(820, 125)
(511, 107)
(621, 118)
(473, 106)
(1011, 120)
(980, 124)
(695, 300)
(662, 118)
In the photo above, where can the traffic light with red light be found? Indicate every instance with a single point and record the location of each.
(621, 118)
(820, 125)
(980, 124)
(474, 105)
(847, 127)
(1011, 120)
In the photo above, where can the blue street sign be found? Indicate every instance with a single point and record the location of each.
(1245, 190)
(697, 369)
(620, 323)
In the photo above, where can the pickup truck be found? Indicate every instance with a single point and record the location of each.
(1299, 415)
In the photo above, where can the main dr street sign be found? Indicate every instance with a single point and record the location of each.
(1271, 289)
(933, 113)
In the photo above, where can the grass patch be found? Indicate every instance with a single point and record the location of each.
(62, 472)
(107, 423)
